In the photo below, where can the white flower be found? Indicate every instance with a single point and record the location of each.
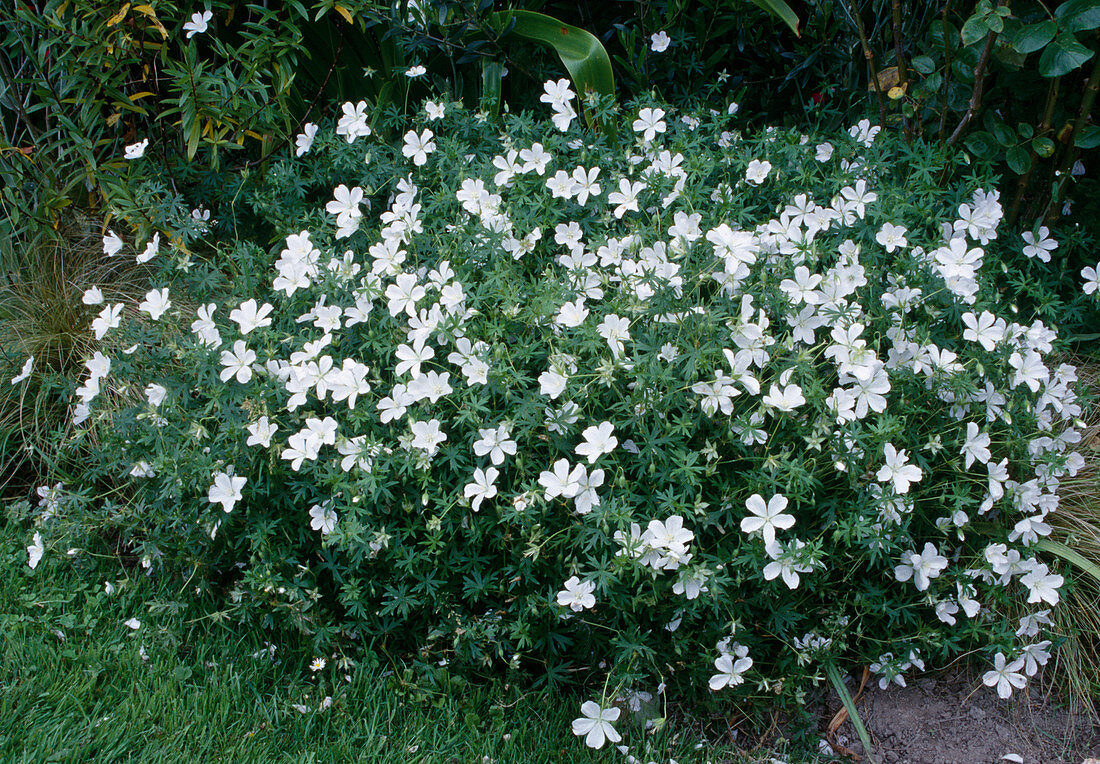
(112, 245)
(25, 372)
(892, 237)
(322, 518)
(730, 670)
(598, 440)
(1092, 279)
(572, 313)
(1039, 244)
(107, 319)
(1005, 675)
(921, 567)
(417, 147)
(151, 249)
(767, 518)
(649, 123)
(198, 23)
(658, 42)
(155, 393)
(156, 303)
(415, 71)
(304, 140)
(496, 443)
(823, 152)
(226, 490)
(595, 725)
(132, 623)
(1042, 585)
(898, 470)
(786, 399)
(237, 363)
(577, 594)
(427, 436)
(482, 487)
(260, 432)
(137, 150)
(248, 316)
(976, 445)
(559, 481)
(757, 171)
(434, 110)
(35, 550)
(92, 296)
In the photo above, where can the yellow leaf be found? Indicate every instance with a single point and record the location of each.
(897, 91)
(344, 12)
(887, 78)
(59, 11)
(142, 94)
(113, 118)
(119, 16)
(147, 10)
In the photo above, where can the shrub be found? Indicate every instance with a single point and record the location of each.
(702, 408)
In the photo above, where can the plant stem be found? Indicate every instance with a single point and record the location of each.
(870, 56)
(899, 59)
(946, 74)
(979, 84)
(1054, 210)
(1044, 127)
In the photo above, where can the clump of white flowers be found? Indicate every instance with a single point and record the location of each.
(516, 391)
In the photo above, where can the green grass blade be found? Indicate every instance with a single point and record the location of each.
(782, 10)
(584, 57)
(846, 698)
(1073, 558)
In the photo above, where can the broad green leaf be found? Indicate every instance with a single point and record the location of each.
(975, 29)
(584, 57)
(923, 64)
(1078, 15)
(1019, 161)
(1033, 37)
(782, 11)
(1043, 146)
(982, 145)
(1026, 130)
(1004, 135)
(1089, 138)
(1062, 56)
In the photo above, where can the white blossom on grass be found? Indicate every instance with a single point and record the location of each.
(595, 724)
(226, 490)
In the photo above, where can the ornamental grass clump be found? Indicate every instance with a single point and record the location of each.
(701, 410)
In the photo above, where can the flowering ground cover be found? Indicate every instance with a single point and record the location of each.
(707, 412)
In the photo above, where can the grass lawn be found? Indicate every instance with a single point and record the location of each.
(78, 684)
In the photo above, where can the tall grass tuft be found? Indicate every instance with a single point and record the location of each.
(1076, 524)
(42, 281)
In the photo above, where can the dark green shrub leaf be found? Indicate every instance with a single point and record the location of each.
(1062, 56)
(1033, 37)
(1019, 161)
(1004, 135)
(1078, 15)
(924, 64)
(975, 29)
(1089, 138)
(1026, 130)
(982, 145)
(1044, 147)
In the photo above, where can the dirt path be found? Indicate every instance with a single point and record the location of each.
(951, 718)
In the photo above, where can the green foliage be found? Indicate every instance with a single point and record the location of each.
(523, 423)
